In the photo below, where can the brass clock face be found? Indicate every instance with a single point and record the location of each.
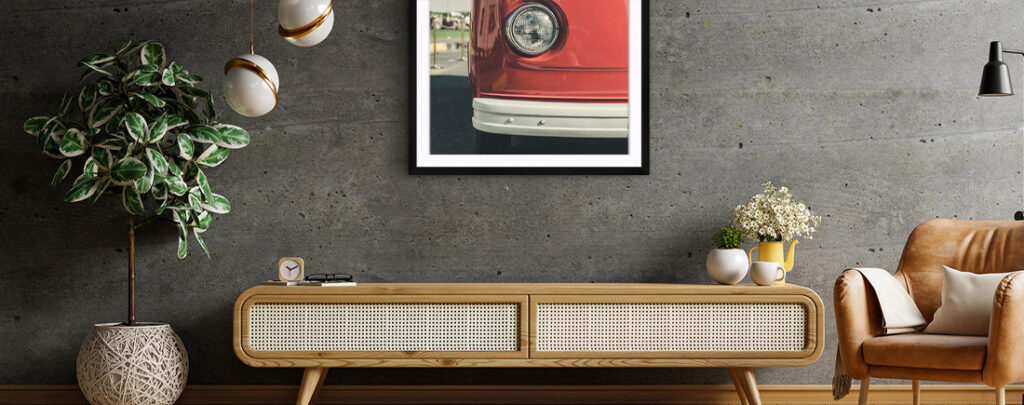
(290, 269)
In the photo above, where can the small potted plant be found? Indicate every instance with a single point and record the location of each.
(727, 263)
(144, 132)
(774, 217)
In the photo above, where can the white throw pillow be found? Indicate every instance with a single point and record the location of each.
(966, 303)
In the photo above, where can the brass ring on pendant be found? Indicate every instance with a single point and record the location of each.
(252, 67)
(306, 29)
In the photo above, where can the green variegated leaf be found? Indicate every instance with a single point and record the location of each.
(167, 77)
(232, 137)
(212, 156)
(185, 147)
(104, 110)
(129, 77)
(177, 68)
(145, 183)
(160, 192)
(96, 59)
(49, 145)
(105, 87)
(164, 124)
(217, 204)
(179, 108)
(180, 215)
(176, 185)
(110, 144)
(90, 168)
(204, 185)
(203, 220)
(182, 246)
(103, 158)
(195, 231)
(73, 143)
(136, 126)
(88, 97)
(147, 78)
(95, 68)
(173, 168)
(83, 188)
(190, 171)
(35, 125)
(190, 79)
(204, 134)
(149, 68)
(102, 184)
(151, 99)
(192, 91)
(65, 105)
(152, 53)
(124, 47)
(156, 161)
(62, 172)
(127, 170)
(195, 198)
(132, 200)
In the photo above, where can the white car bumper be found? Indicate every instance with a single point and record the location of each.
(542, 118)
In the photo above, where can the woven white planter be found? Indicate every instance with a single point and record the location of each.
(132, 365)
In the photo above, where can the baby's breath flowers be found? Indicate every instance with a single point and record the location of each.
(774, 216)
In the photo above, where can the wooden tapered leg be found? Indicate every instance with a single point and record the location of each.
(865, 386)
(917, 391)
(312, 380)
(750, 386)
(737, 380)
(1000, 395)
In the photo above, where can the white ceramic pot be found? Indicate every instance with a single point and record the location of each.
(144, 364)
(727, 266)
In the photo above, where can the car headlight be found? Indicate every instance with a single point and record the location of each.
(532, 29)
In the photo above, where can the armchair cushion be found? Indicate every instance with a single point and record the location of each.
(966, 303)
(920, 350)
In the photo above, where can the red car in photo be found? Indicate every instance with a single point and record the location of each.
(556, 68)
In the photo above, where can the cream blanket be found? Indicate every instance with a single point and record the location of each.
(899, 315)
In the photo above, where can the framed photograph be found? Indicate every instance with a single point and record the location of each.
(528, 87)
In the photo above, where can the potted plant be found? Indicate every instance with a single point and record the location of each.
(773, 217)
(142, 131)
(727, 263)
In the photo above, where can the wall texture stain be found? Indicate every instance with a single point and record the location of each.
(869, 115)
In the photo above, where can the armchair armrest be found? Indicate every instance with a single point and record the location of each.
(1005, 358)
(858, 318)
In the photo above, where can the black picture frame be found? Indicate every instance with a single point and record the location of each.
(642, 169)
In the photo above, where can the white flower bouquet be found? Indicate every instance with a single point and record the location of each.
(774, 216)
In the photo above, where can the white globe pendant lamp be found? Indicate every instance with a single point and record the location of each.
(305, 22)
(251, 83)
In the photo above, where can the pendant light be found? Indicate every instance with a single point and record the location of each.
(250, 80)
(305, 22)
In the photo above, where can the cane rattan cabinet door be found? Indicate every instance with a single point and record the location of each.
(385, 326)
(673, 326)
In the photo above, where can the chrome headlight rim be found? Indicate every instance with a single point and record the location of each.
(510, 23)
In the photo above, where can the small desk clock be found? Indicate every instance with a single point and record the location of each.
(290, 269)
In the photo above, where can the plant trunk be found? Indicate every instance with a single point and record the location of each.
(131, 272)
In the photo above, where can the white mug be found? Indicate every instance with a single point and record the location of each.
(766, 273)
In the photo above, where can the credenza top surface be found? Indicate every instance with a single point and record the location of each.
(535, 289)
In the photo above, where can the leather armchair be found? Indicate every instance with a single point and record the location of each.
(976, 246)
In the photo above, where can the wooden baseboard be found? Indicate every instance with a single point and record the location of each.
(526, 394)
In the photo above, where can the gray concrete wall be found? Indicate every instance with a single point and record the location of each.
(867, 110)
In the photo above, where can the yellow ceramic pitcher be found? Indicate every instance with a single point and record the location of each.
(772, 252)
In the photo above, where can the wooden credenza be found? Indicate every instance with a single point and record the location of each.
(529, 325)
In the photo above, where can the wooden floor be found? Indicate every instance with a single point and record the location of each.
(511, 394)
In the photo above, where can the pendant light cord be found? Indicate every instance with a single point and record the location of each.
(252, 19)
